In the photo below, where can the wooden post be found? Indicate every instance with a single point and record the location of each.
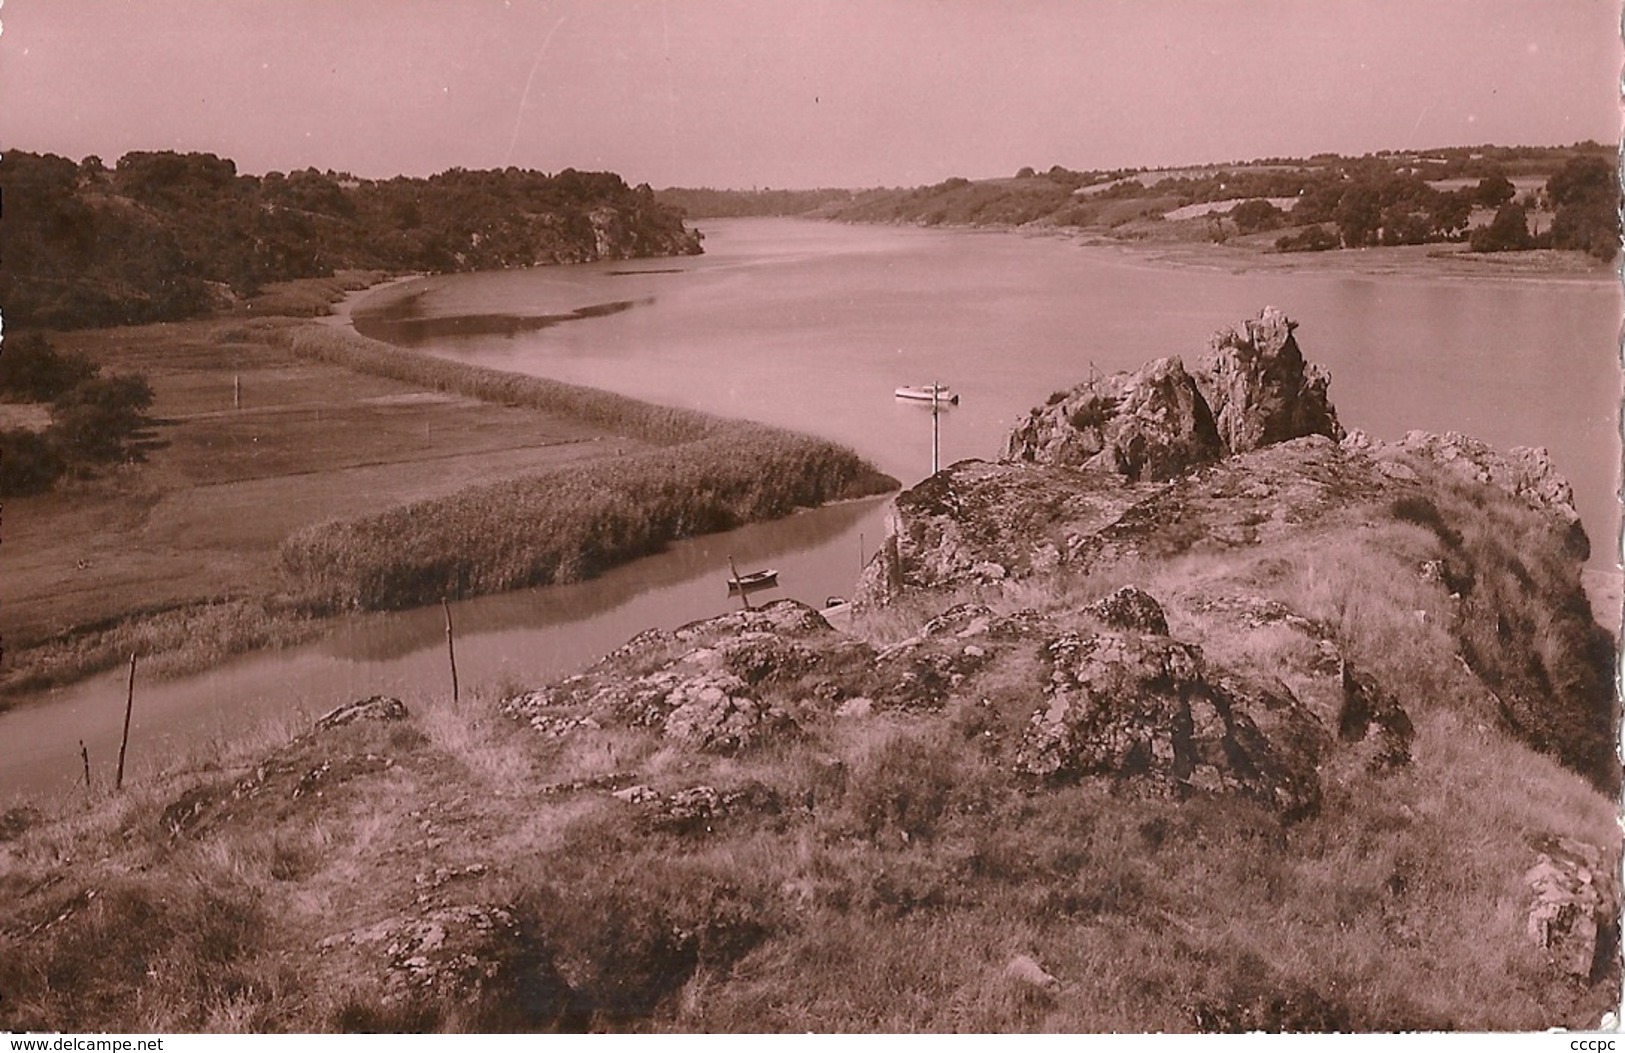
(129, 704)
(85, 756)
(934, 428)
(739, 584)
(237, 391)
(451, 648)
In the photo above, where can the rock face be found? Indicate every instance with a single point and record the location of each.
(1148, 424)
(975, 522)
(1374, 717)
(1260, 390)
(1574, 913)
(1129, 705)
(1250, 389)
(1145, 708)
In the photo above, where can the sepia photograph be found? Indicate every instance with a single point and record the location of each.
(809, 516)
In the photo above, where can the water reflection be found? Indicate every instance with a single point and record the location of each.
(701, 562)
(404, 323)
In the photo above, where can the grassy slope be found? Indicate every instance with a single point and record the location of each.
(902, 870)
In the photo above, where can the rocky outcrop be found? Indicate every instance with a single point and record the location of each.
(1525, 472)
(1129, 705)
(976, 523)
(338, 748)
(1375, 718)
(1250, 389)
(1260, 390)
(1146, 710)
(1148, 424)
(470, 957)
(1574, 909)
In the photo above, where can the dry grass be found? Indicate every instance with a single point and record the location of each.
(892, 867)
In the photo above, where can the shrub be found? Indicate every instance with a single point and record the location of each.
(1256, 214)
(31, 370)
(29, 463)
(1310, 239)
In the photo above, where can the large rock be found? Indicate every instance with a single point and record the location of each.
(1260, 390)
(1250, 389)
(976, 523)
(1148, 424)
(1574, 909)
(1144, 710)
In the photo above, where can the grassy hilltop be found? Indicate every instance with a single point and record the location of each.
(1186, 716)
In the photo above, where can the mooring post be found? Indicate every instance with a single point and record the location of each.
(739, 584)
(935, 429)
(236, 391)
(124, 742)
(84, 754)
(451, 647)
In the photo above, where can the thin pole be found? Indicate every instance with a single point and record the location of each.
(237, 391)
(85, 756)
(129, 704)
(935, 429)
(451, 648)
(860, 550)
(739, 584)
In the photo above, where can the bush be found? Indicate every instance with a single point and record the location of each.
(1310, 239)
(1256, 214)
(31, 370)
(29, 463)
(95, 420)
(1507, 232)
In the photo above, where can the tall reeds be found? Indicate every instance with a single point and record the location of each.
(567, 523)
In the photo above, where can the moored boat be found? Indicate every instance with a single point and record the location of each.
(927, 392)
(756, 579)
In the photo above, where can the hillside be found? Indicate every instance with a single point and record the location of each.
(1193, 713)
(162, 235)
(1487, 198)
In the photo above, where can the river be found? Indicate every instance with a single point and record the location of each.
(811, 326)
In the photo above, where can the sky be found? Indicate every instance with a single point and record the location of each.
(798, 93)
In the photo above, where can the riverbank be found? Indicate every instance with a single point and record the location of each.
(265, 427)
(1256, 255)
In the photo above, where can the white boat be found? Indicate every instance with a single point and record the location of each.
(926, 393)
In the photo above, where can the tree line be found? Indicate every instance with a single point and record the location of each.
(163, 235)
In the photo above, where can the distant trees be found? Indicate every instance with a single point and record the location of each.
(1494, 190)
(1585, 194)
(1313, 238)
(1256, 214)
(1508, 231)
(163, 235)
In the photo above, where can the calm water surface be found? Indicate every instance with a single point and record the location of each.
(811, 326)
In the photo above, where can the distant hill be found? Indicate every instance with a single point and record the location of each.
(704, 203)
(163, 235)
(1499, 197)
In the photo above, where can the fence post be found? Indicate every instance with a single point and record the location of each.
(451, 648)
(124, 742)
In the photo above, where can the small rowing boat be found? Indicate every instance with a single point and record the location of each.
(927, 392)
(756, 579)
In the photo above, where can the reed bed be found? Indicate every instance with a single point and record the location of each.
(662, 425)
(568, 523)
